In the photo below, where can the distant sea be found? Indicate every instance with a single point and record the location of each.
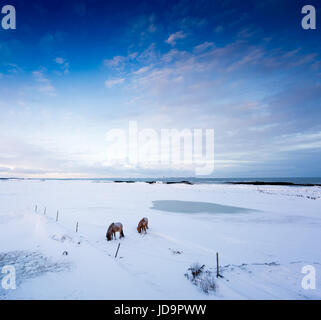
(193, 180)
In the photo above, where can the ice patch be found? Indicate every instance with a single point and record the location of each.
(196, 207)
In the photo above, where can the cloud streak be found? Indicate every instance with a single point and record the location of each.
(172, 39)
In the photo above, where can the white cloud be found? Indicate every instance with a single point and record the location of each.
(110, 83)
(299, 141)
(118, 62)
(115, 62)
(174, 37)
(13, 68)
(142, 70)
(60, 60)
(48, 89)
(45, 85)
(39, 76)
(64, 64)
(203, 46)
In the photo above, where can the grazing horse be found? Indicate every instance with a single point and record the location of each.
(142, 225)
(113, 228)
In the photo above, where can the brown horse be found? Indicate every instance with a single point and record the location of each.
(142, 225)
(113, 228)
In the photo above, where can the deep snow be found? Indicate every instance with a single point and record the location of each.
(264, 236)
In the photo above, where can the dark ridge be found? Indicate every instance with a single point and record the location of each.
(262, 183)
(152, 182)
(175, 182)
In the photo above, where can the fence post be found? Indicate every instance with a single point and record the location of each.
(217, 266)
(44, 211)
(57, 215)
(117, 250)
(77, 227)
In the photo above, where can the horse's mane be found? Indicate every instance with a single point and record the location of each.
(110, 228)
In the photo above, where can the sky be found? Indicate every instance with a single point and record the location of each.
(72, 71)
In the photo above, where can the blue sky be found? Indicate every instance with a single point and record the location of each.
(72, 70)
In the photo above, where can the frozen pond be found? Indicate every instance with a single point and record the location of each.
(196, 207)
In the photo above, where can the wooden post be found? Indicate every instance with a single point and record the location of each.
(44, 211)
(36, 208)
(217, 266)
(57, 216)
(117, 250)
(77, 227)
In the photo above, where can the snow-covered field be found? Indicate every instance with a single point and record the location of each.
(264, 236)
